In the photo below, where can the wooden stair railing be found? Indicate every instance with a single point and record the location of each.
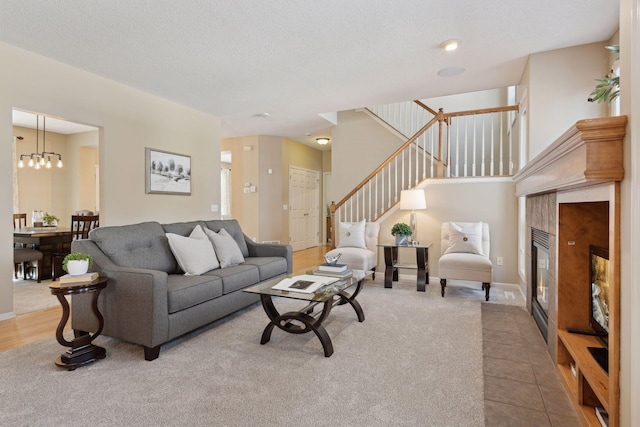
(453, 152)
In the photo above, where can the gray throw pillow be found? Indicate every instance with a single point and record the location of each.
(226, 248)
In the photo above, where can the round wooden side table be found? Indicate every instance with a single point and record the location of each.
(82, 350)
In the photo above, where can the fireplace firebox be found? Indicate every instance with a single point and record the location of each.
(540, 280)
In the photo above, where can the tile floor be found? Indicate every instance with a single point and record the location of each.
(521, 386)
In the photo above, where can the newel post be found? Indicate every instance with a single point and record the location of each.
(441, 119)
(332, 209)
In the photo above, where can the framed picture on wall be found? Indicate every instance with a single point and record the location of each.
(167, 173)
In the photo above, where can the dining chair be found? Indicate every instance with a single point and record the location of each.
(19, 220)
(81, 225)
(25, 257)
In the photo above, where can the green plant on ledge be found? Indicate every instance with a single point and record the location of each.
(76, 256)
(607, 89)
(401, 229)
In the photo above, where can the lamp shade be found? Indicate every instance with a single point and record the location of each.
(411, 200)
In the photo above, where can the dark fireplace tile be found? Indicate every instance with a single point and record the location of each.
(511, 392)
(509, 369)
(565, 420)
(499, 325)
(498, 414)
(556, 400)
(502, 351)
(501, 337)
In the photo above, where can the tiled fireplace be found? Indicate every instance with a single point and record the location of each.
(572, 194)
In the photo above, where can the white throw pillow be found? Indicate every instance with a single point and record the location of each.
(465, 238)
(194, 256)
(227, 249)
(351, 234)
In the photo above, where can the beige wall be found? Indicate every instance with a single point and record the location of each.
(559, 83)
(358, 146)
(129, 120)
(42, 189)
(58, 191)
(491, 200)
(261, 214)
(85, 146)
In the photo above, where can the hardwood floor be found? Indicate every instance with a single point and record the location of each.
(37, 325)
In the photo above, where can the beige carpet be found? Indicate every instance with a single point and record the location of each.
(29, 295)
(415, 361)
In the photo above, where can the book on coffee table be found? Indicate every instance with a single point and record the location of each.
(341, 275)
(305, 283)
(337, 268)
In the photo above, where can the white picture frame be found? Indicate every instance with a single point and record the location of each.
(167, 172)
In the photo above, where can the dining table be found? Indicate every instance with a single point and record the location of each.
(49, 241)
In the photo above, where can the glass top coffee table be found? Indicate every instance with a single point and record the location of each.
(306, 320)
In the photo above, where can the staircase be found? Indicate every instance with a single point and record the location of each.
(465, 144)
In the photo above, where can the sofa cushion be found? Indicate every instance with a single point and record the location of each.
(233, 228)
(195, 256)
(141, 245)
(268, 267)
(236, 277)
(226, 248)
(187, 291)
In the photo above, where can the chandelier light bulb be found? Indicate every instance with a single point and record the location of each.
(20, 164)
(42, 161)
(30, 164)
(37, 165)
(59, 163)
(49, 163)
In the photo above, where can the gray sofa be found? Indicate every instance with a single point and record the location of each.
(149, 301)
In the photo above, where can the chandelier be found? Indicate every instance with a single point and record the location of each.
(43, 159)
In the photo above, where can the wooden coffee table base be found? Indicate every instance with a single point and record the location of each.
(304, 321)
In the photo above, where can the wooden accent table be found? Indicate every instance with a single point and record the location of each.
(392, 265)
(82, 350)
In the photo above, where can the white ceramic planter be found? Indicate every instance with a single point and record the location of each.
(77, 267)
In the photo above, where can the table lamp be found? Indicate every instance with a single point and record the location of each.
(413, 200)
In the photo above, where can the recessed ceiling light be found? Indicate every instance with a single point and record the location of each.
(451, 71)
(450, 45)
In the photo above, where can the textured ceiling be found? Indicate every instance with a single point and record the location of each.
(297, 59)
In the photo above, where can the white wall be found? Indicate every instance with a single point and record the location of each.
(129, 120)
(469, 101)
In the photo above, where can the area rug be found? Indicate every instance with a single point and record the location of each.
(416, 360)
(29, 295)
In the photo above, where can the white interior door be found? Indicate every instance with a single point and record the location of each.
(304, 205)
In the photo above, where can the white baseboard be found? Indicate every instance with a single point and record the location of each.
(6, 316)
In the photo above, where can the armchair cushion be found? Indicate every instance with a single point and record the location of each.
(351, 234)
(465, 238)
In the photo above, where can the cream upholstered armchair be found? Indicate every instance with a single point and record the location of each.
(357, 243)
(465, 254)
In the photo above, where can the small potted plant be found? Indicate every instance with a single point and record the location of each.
(77, 263)
(402, 232)
(50, 220)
